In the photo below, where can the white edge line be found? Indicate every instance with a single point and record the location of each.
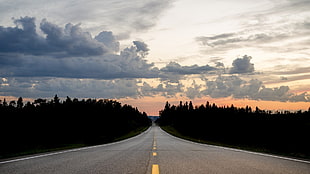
(239, 150)
(73, 150)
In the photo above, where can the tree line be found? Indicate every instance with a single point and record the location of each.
(282, 132)
(54, 123)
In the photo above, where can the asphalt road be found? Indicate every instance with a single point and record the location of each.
(154, 151)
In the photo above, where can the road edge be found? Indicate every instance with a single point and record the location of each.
(39, 155)
(238, 150)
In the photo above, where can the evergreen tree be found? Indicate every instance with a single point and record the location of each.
(20, 103)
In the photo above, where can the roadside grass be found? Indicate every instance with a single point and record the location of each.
(171, 130)
(39, 150)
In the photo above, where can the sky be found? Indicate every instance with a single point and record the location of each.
(147, 52)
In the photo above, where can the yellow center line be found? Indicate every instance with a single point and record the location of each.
(154, 154)
(155, 169)
(154, 148)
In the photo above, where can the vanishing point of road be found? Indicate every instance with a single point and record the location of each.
(153, 152)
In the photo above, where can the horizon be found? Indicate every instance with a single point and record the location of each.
(155, 110)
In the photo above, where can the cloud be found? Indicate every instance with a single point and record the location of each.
(141, 46)
(223, 86)
(215, 40)
(177, 69)
(72, 40)
(283, 78)
(240, 39)
(109, 40)
(282, 70)
(18, 39)
(260, 30)
(165, 88)
(122, 17)
(115, 88)
(194, 91)
(63, 42)
(234, 86)
(69, 52)
(219, 36)
(242, 65)
(289, 6)
(139, 15)
(49, 59)
(274, 94)
(82, 88)
(126, 65)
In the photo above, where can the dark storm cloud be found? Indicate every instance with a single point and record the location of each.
(22, 38)
(109, 40)
(68, 52)
(63, 42)
(72, 40)
(126, 65)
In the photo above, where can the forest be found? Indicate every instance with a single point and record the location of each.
(279, 132)
(48, 124)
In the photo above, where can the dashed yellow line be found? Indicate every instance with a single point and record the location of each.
(155, 169)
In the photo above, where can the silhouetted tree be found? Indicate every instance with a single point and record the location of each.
(56, 99)
(12, 103)
(40, 101)
(20, 103)
(50, 124)
(4, 103)
(283, 132)
(190, 107)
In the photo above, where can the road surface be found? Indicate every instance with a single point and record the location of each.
(154, 151)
